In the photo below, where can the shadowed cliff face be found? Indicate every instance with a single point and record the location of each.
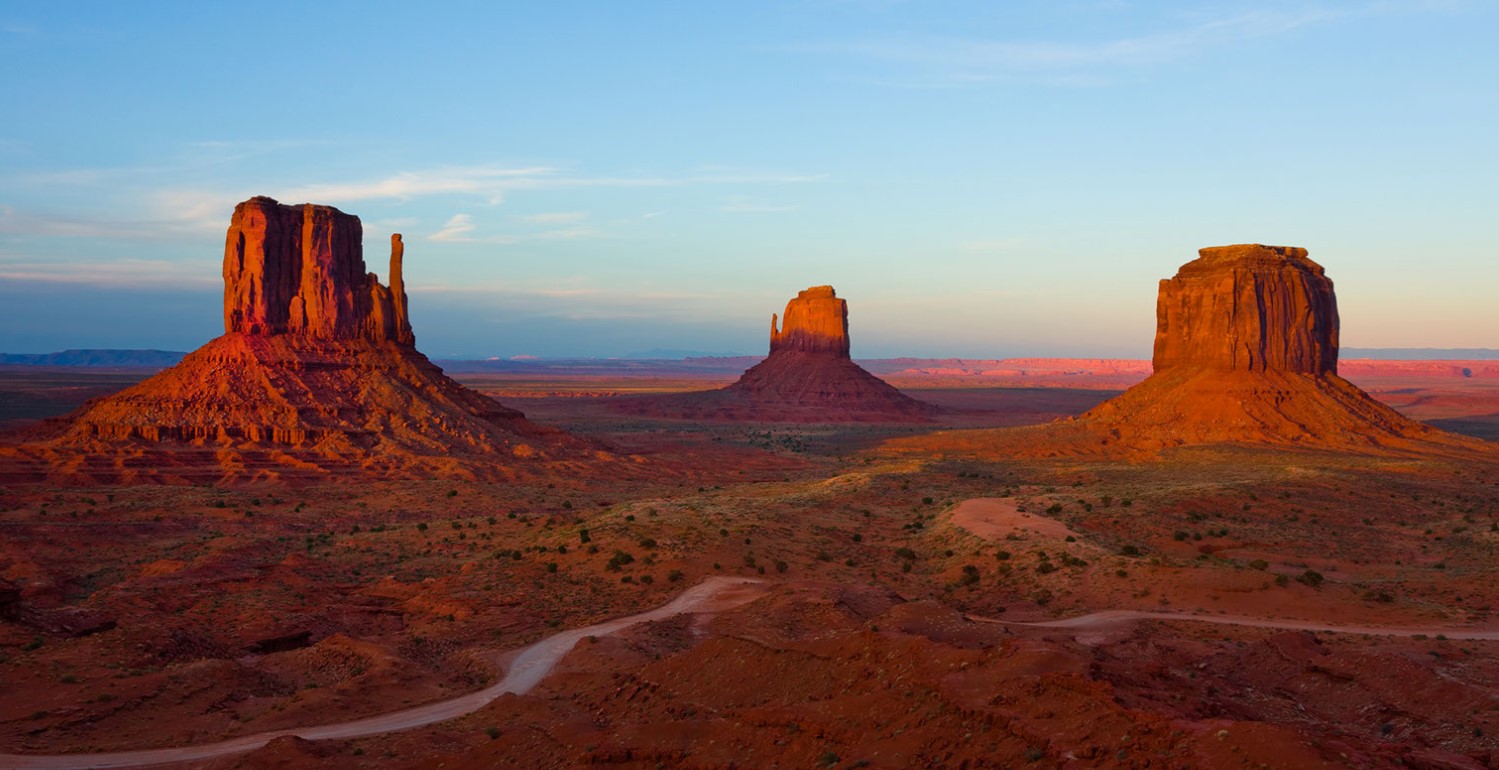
(300, 270)
(1248, 308)
(816, 321)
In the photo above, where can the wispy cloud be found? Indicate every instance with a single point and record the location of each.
(583, 301)
(747, 207)
(555, 217)
(171, 199)
(133, 273)
(458, 229)
(482, 180)
(951, 62)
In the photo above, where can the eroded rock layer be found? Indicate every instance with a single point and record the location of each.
(808, 377)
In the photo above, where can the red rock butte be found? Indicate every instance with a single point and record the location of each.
(1246, 351)
(316, 375)
(300, 270)
(816, 322)
(807, 377)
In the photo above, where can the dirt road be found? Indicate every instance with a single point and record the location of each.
(529, 667)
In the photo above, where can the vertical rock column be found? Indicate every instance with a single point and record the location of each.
(300, 270)
(1248, 308)
(816, 321)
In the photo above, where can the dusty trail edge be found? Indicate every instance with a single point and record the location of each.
(528, 667)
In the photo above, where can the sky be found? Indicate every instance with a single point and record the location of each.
(978, 179)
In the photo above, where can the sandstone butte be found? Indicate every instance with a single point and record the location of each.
(316, 374)
(1246, 351)
(807, 377)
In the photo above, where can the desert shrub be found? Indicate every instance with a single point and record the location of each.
(583, 536)
(618, 560)
(782, 566)
(675, 576)
(1259, 564)
(1312, 578)
(551, 566)
(1045, 568)
(970, 575)
(1130, 550)
(1002, 555)
(905, 553)
(647, 542)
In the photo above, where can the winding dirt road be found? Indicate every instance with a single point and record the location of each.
(529, 667)
(715, 594)
(1110, 620)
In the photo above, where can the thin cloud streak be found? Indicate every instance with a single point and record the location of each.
(131, 273)
(938, 62)
(456, 230)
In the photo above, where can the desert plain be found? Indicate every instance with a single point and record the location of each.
(307, 545)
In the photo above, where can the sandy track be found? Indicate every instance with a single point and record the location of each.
(1109, 620)
(529, 667)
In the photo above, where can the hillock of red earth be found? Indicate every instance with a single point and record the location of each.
(317, 374)
(808, 377)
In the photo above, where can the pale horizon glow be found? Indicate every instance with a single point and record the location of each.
(979, 180)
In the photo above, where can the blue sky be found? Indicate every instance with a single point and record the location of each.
(978, 179)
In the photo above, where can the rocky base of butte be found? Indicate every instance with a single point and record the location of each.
(317, 374)
(808, 377)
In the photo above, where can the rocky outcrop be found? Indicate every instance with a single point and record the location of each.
(1248, 308)
(816, 321)
(317, 375)
(808, 377)
(300, 270)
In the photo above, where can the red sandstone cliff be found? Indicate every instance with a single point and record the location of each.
(1248, 308)
(300, 270)
(816, 321)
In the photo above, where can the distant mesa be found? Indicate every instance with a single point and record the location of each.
(317, 374)
(807, 377)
